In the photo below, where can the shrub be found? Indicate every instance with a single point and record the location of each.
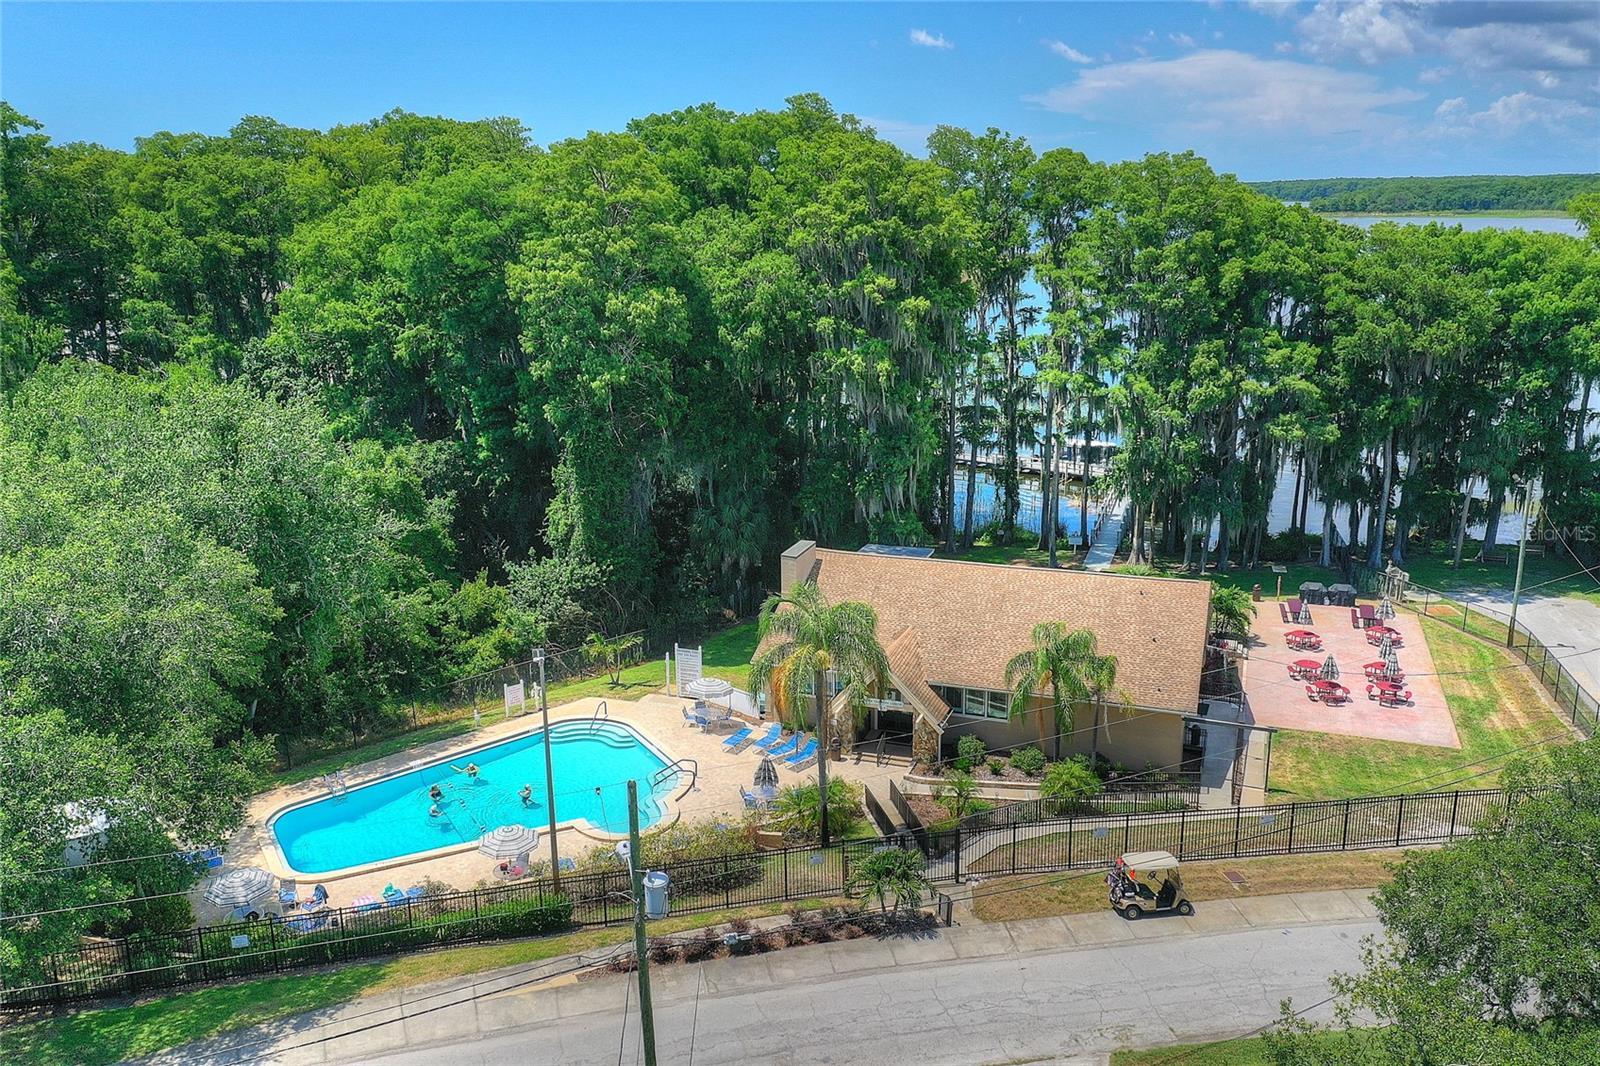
(1029, 760)
(969, 750)
(1068, 783)
(997, 766)
(897, 872)
(1136, 570)
(958, 794)
(798, 813)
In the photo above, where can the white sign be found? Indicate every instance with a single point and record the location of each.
(240, 942)
(515, 698)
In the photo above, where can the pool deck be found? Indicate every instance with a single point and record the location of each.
(658, 717)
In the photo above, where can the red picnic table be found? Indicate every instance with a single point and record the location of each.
(1388, 693)
(1327, 691)
(1302, 638)
(1375, 670)
(1365, 615)
(1303, 668)
(1375, 635)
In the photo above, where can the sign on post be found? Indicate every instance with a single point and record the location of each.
(515, 698)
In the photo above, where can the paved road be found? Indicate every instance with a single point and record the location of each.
(1568, 626)
(932, 1005)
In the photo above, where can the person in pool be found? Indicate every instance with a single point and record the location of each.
(436, 793)
(472, 770)
(527, 795)
(435, 812)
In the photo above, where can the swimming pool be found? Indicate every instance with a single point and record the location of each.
(389, 819)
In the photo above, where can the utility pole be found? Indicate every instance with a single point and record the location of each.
(822, 754)
(647, 1020)
(549, 776)
(1522, 553)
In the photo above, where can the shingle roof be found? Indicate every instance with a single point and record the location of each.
(905, 663)
(970, 618)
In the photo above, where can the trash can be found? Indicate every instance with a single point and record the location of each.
(655, 894)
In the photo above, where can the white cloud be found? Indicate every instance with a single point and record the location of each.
(1283, 48)
(924, 39)
(1369, 30)
(1066, 51)
(1182, 40)
(912, 136)
(1224, 89)
(1433, 75)
(1510, 114)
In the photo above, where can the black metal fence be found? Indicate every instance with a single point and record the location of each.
(527, 907)
(1093, 841)
(532, 906)
(1581, 707)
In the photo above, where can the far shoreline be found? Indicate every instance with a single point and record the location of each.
(1485, 213)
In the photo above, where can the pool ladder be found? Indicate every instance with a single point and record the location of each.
(601, 711)
(336, 784)
(674, 767)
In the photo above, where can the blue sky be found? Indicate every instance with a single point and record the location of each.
(1262, 89)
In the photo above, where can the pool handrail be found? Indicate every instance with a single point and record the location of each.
(674, 767)
(601, 711)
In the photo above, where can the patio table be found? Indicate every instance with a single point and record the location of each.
(1331, 690)
(1303, 667)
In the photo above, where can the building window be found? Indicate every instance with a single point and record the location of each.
(975, 702)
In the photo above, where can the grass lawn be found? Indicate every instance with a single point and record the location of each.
(727, 655)
(1496, 704)
(112, 1034)
(1550, 575)
(1085, 893)
(1242, 1051)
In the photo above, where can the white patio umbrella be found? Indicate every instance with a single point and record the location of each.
(1391, 665)
(509, 842)
(1385, 609)
(1305, 613)
(709, 689)
(1386, 648)
(240, 888)
(1330, 669)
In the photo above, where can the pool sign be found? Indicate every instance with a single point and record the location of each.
(515, 697)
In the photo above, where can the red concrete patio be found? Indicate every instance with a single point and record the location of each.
(1274, 698)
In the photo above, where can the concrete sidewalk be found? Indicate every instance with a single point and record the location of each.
(501, 1002)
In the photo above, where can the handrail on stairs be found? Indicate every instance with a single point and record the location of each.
(674, 767)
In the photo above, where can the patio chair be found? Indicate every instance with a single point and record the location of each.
(1283, 612)
(772, 741)
(288, 893)
(695, 718)
(1311, 693)
(752, 802)
(319, 895)
(566, 865)
(804, 757)
(788, 747)
(738, 740)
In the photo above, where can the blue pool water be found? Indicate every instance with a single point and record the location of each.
(388, 819)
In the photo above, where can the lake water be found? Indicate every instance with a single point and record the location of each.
(1472, 223)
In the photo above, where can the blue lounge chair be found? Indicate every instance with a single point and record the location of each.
(804, 757)
(774, 731)
(738, 740)
(566, 865)
(788, 747)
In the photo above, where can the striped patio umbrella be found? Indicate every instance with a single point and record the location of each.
(1305, 613)
(1391, 665)
(1330, 669)
(240, 888)
(1385, 609)
(1386, 647)
(767, 775)
(509, 842)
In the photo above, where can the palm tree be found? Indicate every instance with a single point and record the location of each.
(897, 871)
(1231, 611)
(806, 638)
(1064, 664)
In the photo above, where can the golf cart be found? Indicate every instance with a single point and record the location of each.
(1143, 881)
